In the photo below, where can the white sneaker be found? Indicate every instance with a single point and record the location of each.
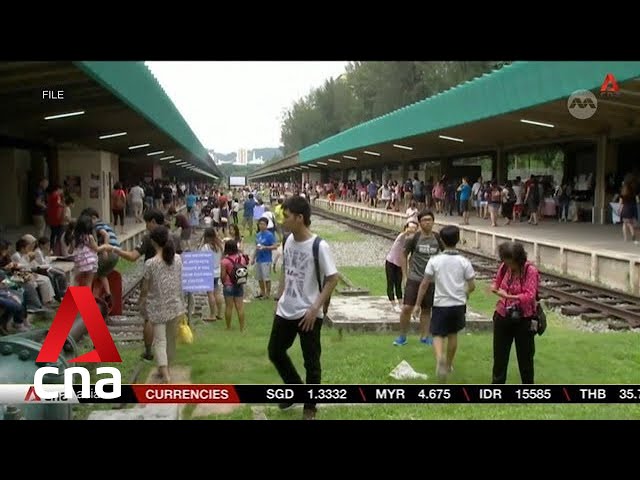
(397, 309)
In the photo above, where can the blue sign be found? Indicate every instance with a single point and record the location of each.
(197, 271)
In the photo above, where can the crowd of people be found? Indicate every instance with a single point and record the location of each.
(427, 277)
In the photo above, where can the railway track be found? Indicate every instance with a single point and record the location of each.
(574, 298)
(128, 326)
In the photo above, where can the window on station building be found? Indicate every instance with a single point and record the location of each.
(546, 163)
(483, 162)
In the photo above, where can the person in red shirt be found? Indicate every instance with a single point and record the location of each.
(55, 217)
(118, 205)
(223, 200)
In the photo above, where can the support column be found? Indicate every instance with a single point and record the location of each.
(443, 168)
(611, 167)
(402, 171)
(53, 165)
(501, 166)
(599, 205)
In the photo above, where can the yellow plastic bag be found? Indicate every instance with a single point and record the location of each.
(185, 335)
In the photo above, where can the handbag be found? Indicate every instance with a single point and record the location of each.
(185, 335)
(541, 317)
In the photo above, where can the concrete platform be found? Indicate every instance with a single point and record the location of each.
(132, 233)
(591, 253)
(374, 314)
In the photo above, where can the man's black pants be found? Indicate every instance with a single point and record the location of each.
(283, 334)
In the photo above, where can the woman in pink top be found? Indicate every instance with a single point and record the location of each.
(393, 265)
(438, 195)
(516, 284)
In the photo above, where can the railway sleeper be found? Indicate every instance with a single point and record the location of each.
(593, 316)
(618, 324)
(553, 302)
(573, 310)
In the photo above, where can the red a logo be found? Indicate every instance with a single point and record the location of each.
(79, 300)
(610, 85)
(31, 395)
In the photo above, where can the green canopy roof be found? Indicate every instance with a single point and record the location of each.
(135, 85)
(514, 87)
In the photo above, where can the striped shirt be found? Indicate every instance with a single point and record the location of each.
(113, 238)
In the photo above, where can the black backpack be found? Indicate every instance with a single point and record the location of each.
(316, 262)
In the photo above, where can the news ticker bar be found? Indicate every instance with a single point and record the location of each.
(261, 394)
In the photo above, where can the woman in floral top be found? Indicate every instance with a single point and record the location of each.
(162, 301)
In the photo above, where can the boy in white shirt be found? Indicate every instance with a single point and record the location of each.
(302, 298)
(453, 277)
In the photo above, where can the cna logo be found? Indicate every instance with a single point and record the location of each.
(609, 86)
(582, 104)
(77, 300)
(31, 395)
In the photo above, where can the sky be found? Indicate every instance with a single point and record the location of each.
(232, 105)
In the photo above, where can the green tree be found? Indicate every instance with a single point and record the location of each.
(368, 90)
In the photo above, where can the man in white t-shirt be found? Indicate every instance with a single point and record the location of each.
(475, 190)
(136, 196)
(300, 299)
(453, 277)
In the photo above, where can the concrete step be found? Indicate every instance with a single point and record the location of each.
(369, 313)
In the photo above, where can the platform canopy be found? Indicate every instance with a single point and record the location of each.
(521, 105)
(122, 105)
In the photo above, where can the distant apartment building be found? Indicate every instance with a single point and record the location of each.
(256, 160)
(241, 156)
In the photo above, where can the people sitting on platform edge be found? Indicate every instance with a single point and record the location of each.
(42, 265)
(516, 284)
(23, 257)
(13, 296)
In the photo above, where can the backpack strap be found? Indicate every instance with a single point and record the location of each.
(316, 260)
(440, 242)
(284, 242)
(413, 242)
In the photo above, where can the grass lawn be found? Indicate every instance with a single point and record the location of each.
(564, 355)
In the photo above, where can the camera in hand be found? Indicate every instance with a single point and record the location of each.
(514, 313)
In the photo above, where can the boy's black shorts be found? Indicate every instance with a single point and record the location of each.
(447, 320)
